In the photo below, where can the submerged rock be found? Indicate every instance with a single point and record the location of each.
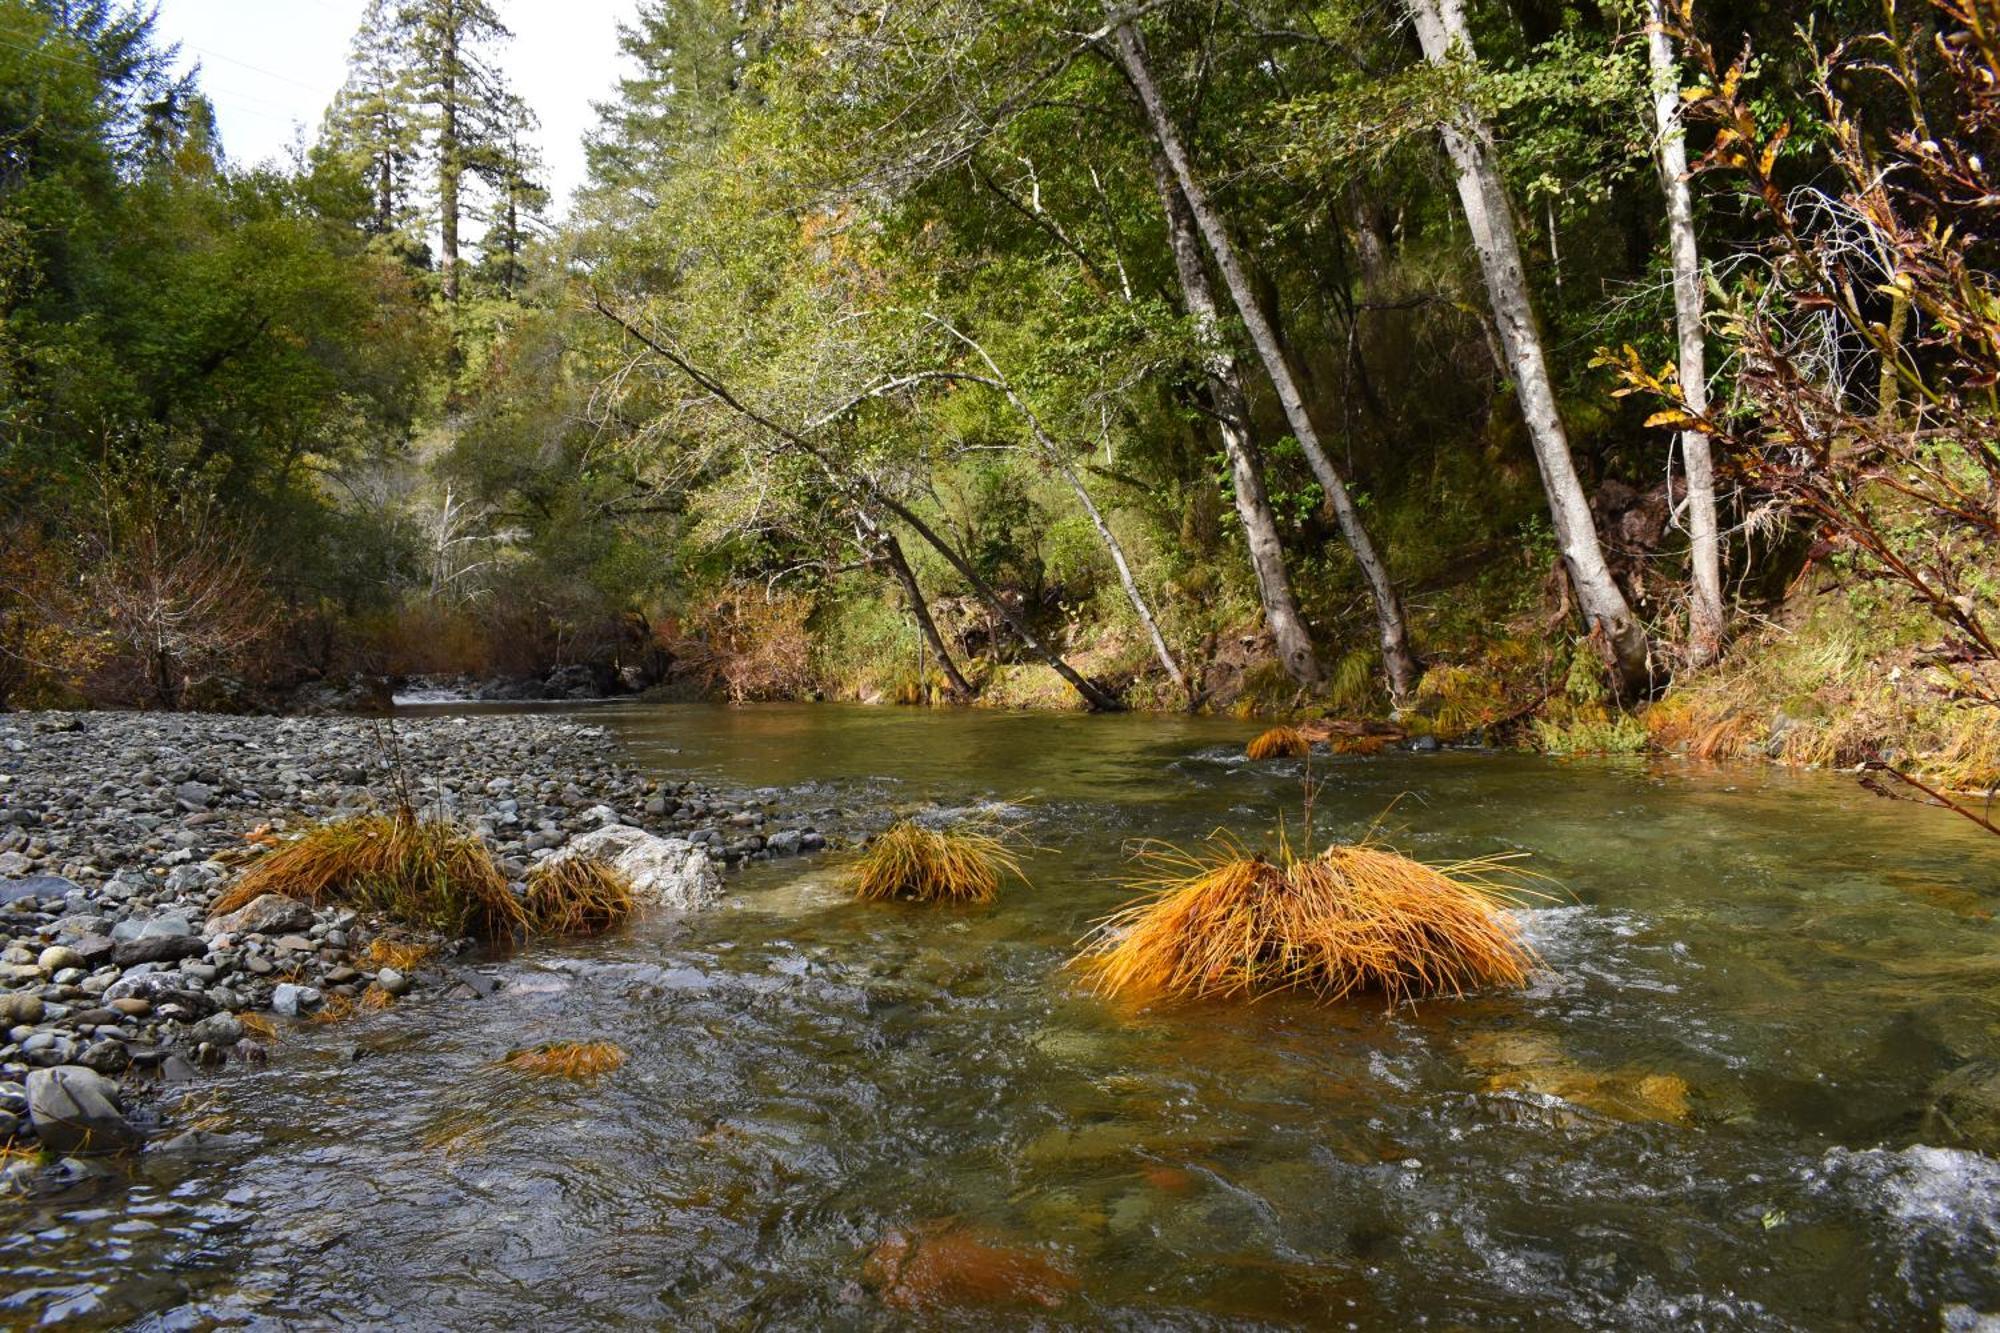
(75, 1110)
(1965, 1108)
(669, 873)
(944, 1267)
(1528, 1062)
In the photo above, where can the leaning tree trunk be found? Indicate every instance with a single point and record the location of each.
(1398, 661)
(861, 489)
(1489, 216)
(1232, 415)
(899, 565)
(1057, 459)
(1705, 615)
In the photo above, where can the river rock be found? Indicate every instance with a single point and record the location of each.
(1965, 1108)
(39, 887)
(267, 914)
(392, 981)
(19, 1008)
(221, 1029)
(164, 926)
(75, 1110)
(159, 989)
(668, 873)
(293, 1000)
(157, 949)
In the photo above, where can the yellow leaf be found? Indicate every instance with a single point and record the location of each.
(1672, 416)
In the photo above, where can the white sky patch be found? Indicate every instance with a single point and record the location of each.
(272, 66)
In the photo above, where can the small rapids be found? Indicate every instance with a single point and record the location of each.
(1706, 1111)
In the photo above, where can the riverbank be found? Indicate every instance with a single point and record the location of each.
(119, 830)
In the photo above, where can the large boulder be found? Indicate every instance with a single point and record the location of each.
(75, 1110)
(671, 873)
(267, 914)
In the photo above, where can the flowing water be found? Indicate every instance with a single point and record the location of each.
(1706, 1112)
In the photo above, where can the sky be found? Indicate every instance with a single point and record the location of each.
(271, 67)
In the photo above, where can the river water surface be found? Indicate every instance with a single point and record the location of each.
(1707, 1112)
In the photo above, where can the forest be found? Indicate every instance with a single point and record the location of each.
(1597, 377)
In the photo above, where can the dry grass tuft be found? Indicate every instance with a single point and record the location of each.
(337, 1009)
(424, 872)
(578, 895)
(579, 1060)
(958, 865)
(1280, 743)
(1363, 745)
(258, 1026)
(1221, 923)
(406, 956)
(376, 998)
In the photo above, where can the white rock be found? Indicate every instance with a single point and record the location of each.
(671, 873)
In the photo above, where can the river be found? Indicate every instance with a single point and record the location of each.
(1707, 1111)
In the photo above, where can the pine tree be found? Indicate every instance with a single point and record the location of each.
(512, 170)
(692, 56)
(455, 80)
(375, 123)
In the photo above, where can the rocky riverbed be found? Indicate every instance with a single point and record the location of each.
(119, 830)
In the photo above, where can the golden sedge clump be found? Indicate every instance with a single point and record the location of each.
(1280, 743)
(423, 872)
(1221, 923)
(578, 895)
(580, 1061)
(909, 861)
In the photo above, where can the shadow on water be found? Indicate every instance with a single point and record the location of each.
(1705, 1112)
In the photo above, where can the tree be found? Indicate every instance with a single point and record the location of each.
(1489, 215)
(1705, 612)
(1232, 419)
(452, 75)
(1398, 661)
(511, 169)
(374, 123)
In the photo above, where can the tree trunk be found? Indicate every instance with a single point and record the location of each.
(1705, 613)
(1489, 215)
(892, 551)
(450, 160)
(1232, 414)
(859, 485)
(1397, 659)
(1053, 452)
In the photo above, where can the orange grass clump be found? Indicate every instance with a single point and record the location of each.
(1223, 923)
(337, 1009)
(580, 1060)
(1280, 743)
(425, 872)
(376, 998)
(578, 895)
(958, 865)
(406, 956)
